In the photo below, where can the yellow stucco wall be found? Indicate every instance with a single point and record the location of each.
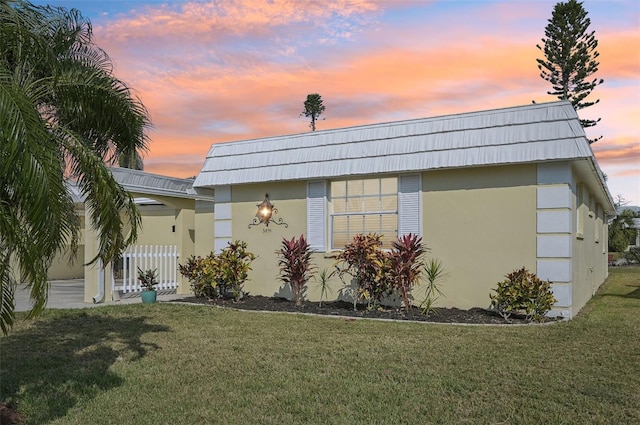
(204, 228)
(481, 223)
(290, 200)
(61, 268)
(157, 225)
(157, 228)
(590, 266)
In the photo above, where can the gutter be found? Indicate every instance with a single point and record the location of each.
(99, 297)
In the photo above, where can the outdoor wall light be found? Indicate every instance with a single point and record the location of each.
(265, 213)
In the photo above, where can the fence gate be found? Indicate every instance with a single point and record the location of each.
(162, 258)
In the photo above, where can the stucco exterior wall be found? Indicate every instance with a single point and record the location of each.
(204, 219)
(590, 267)
(290, 200)
(62, 269)
(481, 224)
(158, 225)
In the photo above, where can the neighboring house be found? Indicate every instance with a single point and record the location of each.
(488, 191)
(170, 211)
(636, 224)
(635, 242)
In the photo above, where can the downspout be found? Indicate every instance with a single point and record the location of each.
(100, 295)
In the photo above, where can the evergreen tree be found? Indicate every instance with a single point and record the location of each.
(622, 231)
(131, 160)
(570, 56)
(313, 108)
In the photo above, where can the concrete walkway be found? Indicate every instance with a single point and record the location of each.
(70, 294)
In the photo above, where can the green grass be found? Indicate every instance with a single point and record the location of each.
(177, 364)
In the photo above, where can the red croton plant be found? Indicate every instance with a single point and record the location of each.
(295, 265)
(380, 273)
(406, 265)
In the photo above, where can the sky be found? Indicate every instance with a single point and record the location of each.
(211, 72)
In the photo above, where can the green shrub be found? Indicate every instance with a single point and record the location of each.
(523, 292)
(200, 273)
(323, 282)
(633, 255)
(221, 275)
(233, 265)
(434, 272)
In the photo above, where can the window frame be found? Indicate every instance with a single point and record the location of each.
(379, 195)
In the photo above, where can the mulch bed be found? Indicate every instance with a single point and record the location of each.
(9, 415)
(478, 316)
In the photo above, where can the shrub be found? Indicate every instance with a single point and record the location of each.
(405, 261)
(219, 275)
(434, 272)
(364, 260)
(233, 265)
(295, 265)
(323, 282)
(379, 273)
(200, 273)
(633, 255)
(523, 292)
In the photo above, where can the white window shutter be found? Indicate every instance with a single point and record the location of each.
(409, 208)
(317, 215)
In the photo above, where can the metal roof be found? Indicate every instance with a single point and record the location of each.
(143, 183)
(522, 134)
(152, 184)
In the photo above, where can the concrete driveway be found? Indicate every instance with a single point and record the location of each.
(70, 294)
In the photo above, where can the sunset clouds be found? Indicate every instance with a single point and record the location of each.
(230, 70)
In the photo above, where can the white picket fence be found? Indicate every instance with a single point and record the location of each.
(162, 258)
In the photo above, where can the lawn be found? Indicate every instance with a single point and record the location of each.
(179, 364)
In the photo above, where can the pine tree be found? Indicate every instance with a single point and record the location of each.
(313, 108)
(570, 56)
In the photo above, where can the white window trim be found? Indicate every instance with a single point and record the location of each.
(331, 214)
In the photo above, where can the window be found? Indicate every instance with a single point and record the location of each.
(364, 206)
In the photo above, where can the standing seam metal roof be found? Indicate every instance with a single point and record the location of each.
(537, 132)
(522, 134)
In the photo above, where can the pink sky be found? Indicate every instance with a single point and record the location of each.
(210, 72)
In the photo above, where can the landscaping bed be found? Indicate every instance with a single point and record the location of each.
(478, 316)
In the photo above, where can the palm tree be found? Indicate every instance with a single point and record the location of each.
(62, 116)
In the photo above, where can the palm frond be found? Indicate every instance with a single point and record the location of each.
(62, 112)
(105, 200)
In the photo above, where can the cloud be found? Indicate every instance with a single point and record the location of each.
(224, 21)
(619, 151)
(212, 72)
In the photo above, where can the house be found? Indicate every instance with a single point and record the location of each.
(635, 242)
(488, 191)
(170, 211)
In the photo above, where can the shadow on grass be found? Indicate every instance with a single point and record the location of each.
(633, 294)
(61, 361)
